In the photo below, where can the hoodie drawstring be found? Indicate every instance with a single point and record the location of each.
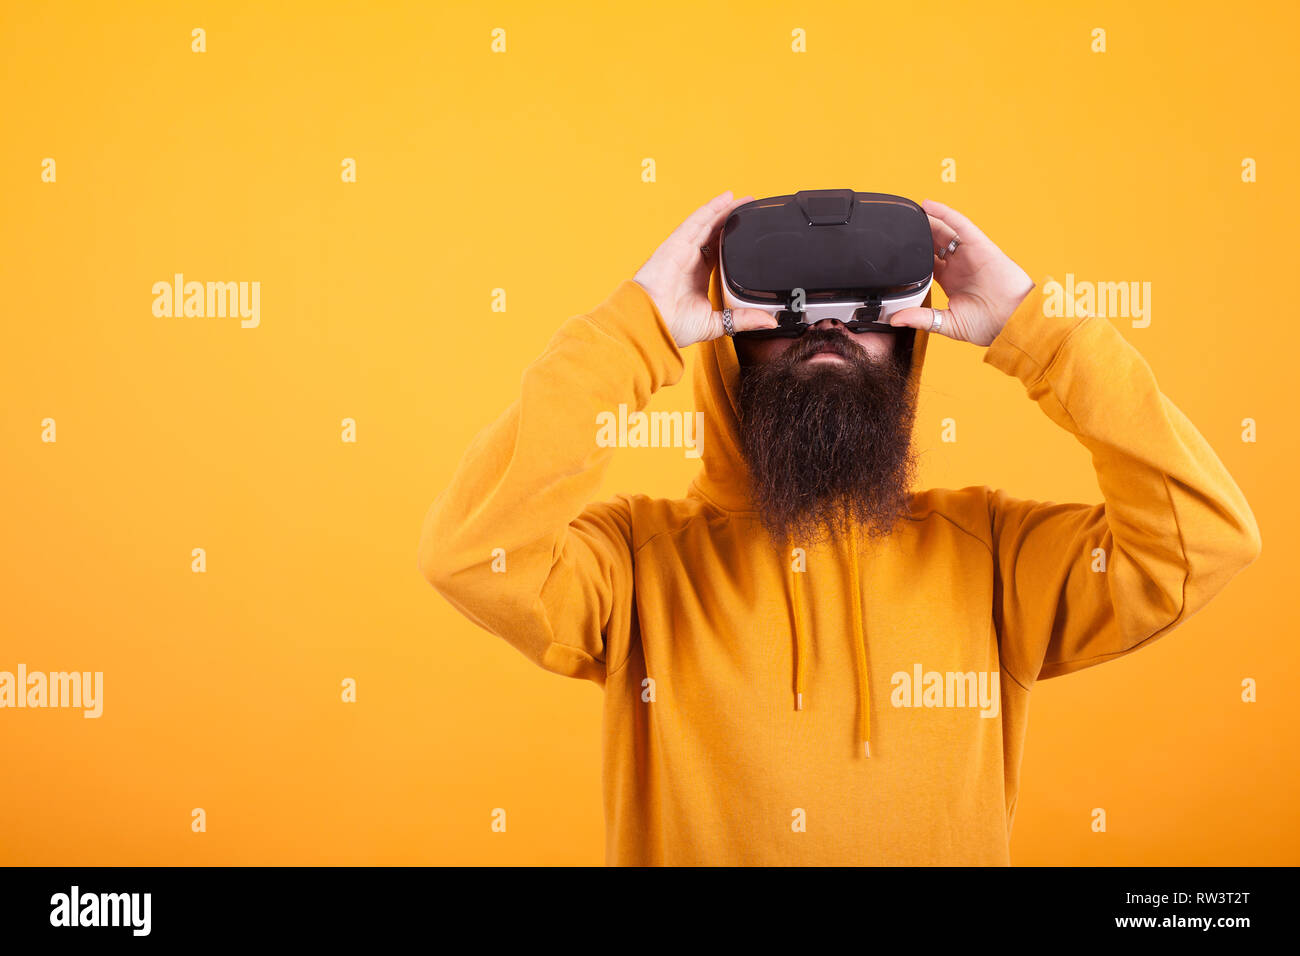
(800, 651)
(859, 645)
(860, 649)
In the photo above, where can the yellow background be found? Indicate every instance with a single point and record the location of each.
(523, 171)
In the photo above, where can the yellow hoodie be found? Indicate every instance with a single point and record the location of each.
(850, 703)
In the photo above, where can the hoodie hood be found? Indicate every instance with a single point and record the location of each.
(724, 481)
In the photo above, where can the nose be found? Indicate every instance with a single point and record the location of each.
(828, 323)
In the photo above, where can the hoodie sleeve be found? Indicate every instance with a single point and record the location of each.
(1078, 584)
(515, 543)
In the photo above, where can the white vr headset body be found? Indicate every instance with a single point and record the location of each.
(844, 311)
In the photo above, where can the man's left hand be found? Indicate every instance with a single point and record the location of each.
(983, 285)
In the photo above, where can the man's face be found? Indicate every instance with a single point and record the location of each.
(826, 429)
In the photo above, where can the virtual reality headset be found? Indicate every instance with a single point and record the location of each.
(826, 253)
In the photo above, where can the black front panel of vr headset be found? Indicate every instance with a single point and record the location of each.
(770, 246)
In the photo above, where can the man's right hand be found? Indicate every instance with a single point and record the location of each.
(676, 277)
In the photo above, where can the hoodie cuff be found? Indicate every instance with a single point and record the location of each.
(1030, 340)
(631, 316)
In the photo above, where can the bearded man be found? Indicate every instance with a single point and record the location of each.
(806, 660)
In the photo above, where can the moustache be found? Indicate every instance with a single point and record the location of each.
(816, 341)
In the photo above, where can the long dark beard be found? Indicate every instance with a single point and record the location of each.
(829, 446)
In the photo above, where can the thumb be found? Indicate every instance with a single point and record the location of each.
(745, 320)
(913, 318)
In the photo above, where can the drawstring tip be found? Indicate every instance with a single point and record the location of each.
(798, 701)
(866, 745)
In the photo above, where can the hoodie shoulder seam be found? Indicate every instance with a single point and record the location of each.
(681, 527)
(948, 518)
(631, 647)
(1002, 660)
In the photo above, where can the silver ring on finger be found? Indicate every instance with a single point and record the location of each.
(937, 323)
(950, 248)
(726, 323)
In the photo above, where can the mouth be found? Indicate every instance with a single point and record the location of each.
(827, 352)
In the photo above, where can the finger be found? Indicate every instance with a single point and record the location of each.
(941, 235)
(744, 320)
(699, 224)
(922, 319)
(952, 218)
(711, 245)
(715, 228)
